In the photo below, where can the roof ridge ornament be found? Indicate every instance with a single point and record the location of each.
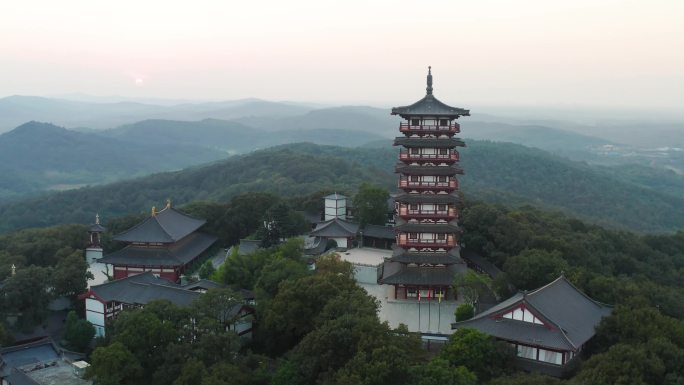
(154, 211)
(97, 218)
(429, 81)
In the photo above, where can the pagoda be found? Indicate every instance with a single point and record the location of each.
(426, 255)
(167, 243)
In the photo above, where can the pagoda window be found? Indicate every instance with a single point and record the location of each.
(443, 122)
(411, 292)
(415, 151)
(443, 151)
(413, 235)
(413, 206)
(429, 122)
(414, 178)
(441, 236)
(442, 179)
(441, 208)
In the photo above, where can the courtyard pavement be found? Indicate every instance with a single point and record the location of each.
(424, 316)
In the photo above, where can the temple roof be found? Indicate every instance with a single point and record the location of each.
(248, 246)
(428, 142)
(571, 317)
(402, 255)
(143, 288)
(428, 198)
(428, 170)
(420, 276)
(166, 226)
(176, 254)
(376, 231)
(419, 227)
(429, 105)
(335, 228)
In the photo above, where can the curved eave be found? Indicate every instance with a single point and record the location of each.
(428, 170)
(428, 198)
(430, 106)
(429, 142)
(428, 228)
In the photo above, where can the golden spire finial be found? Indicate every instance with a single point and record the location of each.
(154, 211)
(168, 204)
(97, 218)
(14, 270)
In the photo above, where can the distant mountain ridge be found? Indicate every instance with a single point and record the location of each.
(37, 156)
(495, 172)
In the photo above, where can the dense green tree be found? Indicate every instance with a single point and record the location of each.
(114, 365)
(6, 338)
(144, 335)
(26, 294)
(439, 372)
(472, 285)
(277, 271)
(215, 309)
(478, 352)
(206, 270)
(78, 332)
(464, 312)
(70, 276)
(370, 203)
(658, 361)
(534, 268)
(525, 379)
(193, 373)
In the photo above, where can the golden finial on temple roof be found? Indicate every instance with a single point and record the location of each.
(168, 203)
(154, 211)
(14, 270)
(97, 218)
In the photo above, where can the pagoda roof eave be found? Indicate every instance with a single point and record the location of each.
(429, 106)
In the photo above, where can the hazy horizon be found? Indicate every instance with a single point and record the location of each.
(586, 54)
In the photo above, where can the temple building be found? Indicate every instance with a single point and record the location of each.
(548, 327)
(426, 255)
(93, 254)
(167, 243)
(104, 302)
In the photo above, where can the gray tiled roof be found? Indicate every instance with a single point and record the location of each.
(428, 142)
(203, 284)
(248, 246)
(421, 276)
(335, 228)
(143, 288)
(375, 231)
(167, 226)
(429, 106)
(428, 170)
(401, 255)
(177, 254)
(571, 317)
(480, 262)
(428, 198)
(414, 227)
(96, 228)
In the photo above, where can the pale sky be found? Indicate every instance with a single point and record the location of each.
(499, 52)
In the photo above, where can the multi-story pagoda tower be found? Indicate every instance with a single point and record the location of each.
(426, 256)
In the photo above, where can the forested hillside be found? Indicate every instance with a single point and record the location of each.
(495, 172)
(39, 156)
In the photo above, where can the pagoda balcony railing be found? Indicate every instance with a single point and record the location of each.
(449, 185)
(404, 241)
(405, 212)
(452, 128)
(407, 156)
